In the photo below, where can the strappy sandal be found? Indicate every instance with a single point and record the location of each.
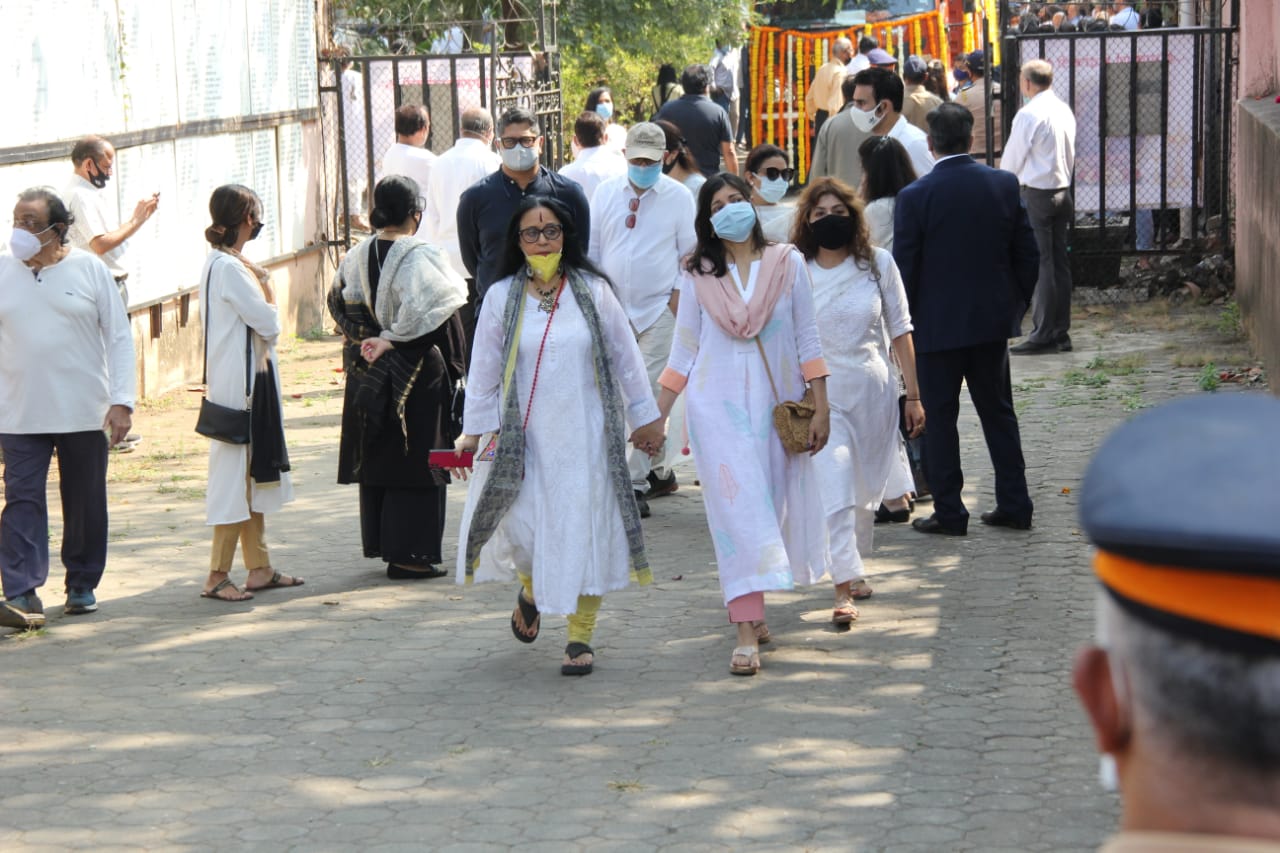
(861, 590)
(762, 632)
(529, 615)
(844, 613)
(751, 667)
(574, 651)
(226, 582)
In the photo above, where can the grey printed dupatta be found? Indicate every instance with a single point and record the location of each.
(507, 474)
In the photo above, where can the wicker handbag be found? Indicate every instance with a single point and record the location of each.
(792, 418)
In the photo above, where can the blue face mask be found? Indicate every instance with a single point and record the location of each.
(960, 76)
(734, 221)
(604, 109)
(644, 177)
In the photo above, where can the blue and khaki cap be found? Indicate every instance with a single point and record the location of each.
(1183, 504)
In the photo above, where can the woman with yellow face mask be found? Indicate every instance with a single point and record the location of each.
(557, 382)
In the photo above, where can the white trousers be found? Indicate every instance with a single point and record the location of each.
(655, 348)
(851, 530)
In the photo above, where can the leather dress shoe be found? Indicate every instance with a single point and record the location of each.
(1000, 518)
(1064, 344)
(1030, 347)
(932, 525)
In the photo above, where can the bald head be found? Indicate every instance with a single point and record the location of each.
(842, 49)
(477, 123)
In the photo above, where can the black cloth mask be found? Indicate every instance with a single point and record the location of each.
(832, 231)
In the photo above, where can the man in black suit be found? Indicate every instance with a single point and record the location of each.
(967, 297)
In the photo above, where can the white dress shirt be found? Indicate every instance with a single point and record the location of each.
(593, 166)
(88, 206)
(860, 62)
(1126, 18)
(643, 262)
(66, 352)
(410, 161)
(917, 144)
(1041, 149)
(466, 162)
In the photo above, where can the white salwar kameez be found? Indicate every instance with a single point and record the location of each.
(763, 504)
(565, 527)
(233, 301)
(856, 320)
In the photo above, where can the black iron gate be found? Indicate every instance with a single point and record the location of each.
(360, 94)
(1154, 138)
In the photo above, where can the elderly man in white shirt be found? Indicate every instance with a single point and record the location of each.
(93, 159)
(407, 156)
(641, 226)
(595, 161)
(67, 381)
(878, 95)
(1041, 151)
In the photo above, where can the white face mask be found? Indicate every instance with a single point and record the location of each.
(519, 159)
(865, 120)
(24, 245)
(772, 191)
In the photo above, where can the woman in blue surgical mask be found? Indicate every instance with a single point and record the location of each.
(746, 339)
(600, 102)
(770, 178)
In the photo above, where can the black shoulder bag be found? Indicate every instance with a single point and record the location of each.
(223, 423)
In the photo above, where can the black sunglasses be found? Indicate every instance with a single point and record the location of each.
(773, 174)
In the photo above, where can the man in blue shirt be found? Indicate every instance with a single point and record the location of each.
(485, 209)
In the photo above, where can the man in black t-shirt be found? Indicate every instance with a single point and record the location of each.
(704, 125)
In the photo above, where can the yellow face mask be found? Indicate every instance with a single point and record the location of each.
(544, 266)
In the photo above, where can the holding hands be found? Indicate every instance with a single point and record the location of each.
(650, 437)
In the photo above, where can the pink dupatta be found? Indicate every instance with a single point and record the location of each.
(723, 301)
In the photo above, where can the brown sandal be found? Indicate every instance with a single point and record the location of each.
(213, 593)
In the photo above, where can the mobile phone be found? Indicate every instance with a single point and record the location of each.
(450, 459)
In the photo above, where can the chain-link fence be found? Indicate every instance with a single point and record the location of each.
(1154, 138)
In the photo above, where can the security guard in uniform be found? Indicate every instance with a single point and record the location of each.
(1183, 688)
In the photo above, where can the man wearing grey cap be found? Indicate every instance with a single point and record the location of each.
(1183, 686)
(918, 101)
(641, 225)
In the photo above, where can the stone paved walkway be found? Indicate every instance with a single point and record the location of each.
(355, 713)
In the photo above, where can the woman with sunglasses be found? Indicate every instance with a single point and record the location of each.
(770, 178)
(555, 371)
(861, 303)
(396, 300)
(745, 340)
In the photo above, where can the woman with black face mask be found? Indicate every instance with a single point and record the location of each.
(861, 305)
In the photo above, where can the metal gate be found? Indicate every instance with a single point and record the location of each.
(360, 94)
(1154, 138)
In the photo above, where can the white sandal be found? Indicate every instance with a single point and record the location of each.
(752, 654)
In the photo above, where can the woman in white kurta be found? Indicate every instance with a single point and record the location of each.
(554, 377)
(770, 177)
(235, 297)
(860, 303)
(763, 504)
(886, 169)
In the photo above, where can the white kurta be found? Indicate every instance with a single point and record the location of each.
(234, 301)
(776, 221)
(856, 319)
(565, 526)
(763, 504)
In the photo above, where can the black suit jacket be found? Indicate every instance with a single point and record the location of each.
(967, 254)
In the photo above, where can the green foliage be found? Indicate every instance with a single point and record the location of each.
(1229, 321)
(1208, 379)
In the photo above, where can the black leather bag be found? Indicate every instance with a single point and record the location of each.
(218, 422)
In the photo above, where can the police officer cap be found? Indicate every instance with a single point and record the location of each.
(977, 61)
(1183, 504)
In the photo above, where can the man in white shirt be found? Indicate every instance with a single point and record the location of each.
(67, 384)
(470, 159)
(860, 61)
(878, 95)
(93, 159)
(724, 80)
(1041, 151)
(641, 225)
(407, 156)
(1125, 17)
(595, 161)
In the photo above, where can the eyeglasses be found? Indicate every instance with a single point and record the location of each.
(633, 205)
(548, 232)
(509, 142)
(773, 174)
